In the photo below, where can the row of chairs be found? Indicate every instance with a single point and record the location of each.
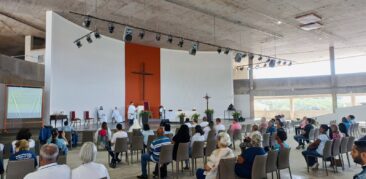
(273, 161)
(354, 130)
(336, 148)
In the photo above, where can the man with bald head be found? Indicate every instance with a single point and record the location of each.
(48, 165)
(154, 153)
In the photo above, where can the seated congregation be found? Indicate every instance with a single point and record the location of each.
(263, 149)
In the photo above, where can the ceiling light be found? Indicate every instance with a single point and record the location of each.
(86, 22)
(268, 60)
(78, 43)
(241, 68)
(265, 65)
(97, 35)
(219, 50)
(289, 64)
(227, 50)
(238, 57)
(142, 34)
(279, 62)
(244, 55)
(284, 63)
(170, 38)
(181, 42)
(194, 48)
(110, 27)
(279, 22)
(88, 39)
(272, 63)
(157, 37)
(260, 58)
(127, 35)
(251, 56)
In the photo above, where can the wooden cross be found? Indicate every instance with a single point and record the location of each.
(207, 98)
(143, 73)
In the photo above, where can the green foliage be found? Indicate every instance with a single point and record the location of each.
(145, 113)
(209, 111)
(182, 115)
(236, 115)
(195, 116)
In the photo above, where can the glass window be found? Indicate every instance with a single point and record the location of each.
(270, 107)
(296, 70)
(360, 100)
(344, 101)
(312, 106)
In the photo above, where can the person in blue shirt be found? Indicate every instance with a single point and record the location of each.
(359, 156)
(351, 118)
(74, 135)
(58, 138)
(243, 167)
(23, 152)
(271, 127)
(281, 138)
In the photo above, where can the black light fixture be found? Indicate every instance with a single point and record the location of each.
(284, 63)
(238, 57)
(78, 43)
(142, 34)
(279, 62)
(97, 35)
(194, 48)
(265, 65)
(227, 50)
(251, 56)
(170, 38)
(268, 59)
(157, 37)
(260, 58)
(127, 35)
(219, 50)
(289, 64)
(111, 27)
(180, 43)
(272, 63)
(244, 55)
(88, 39)
(86, 22)
(241, 68)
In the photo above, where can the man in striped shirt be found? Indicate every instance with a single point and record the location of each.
(154, 152)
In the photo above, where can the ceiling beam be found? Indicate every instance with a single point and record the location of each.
(8, 15)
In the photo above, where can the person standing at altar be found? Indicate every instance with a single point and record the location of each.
(116, 115)
(101, 115)
(161, 112)
(131, 113)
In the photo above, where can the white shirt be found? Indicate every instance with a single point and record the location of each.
(323, 138)
(146, 135)
(53, 171)
(116, 115)
(204, 124)
(31, 143)
(118, 134)
(90, 170)
(214, 160)
(206, 130)
(131, 112)
(188, 124)
(197, 137)
(220, 127)
(102, 116)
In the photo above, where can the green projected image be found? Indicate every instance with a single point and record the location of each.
(24, 103)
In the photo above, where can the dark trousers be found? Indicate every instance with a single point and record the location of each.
(312, 156)
(199, 174)
(130, 122)
(297, 130)
(300, 139)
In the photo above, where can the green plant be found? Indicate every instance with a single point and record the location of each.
(182, 115)
(209, 111)
(236, 115)
(145, 113)
(195, 116)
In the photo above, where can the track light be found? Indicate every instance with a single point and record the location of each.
(227, 50)
(241, 68)
(279, 62)
(244, 55)
(127, 35)
(219, 50)
(194, 48)
(268, 59)
(251, 56)
(88, 39)
(142, 34)
(111, 27)
(260, 58)
(289, 64)
(284, 63)
(170, 38)
(272, 63)
(157, 37)
(86, 22)
(78, 43)
(181, 42)
(238, 57)
(97, 35)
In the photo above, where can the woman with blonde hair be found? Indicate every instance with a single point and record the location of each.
(89, 169)
(223, 152)
(22, 152)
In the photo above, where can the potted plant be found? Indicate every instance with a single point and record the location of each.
(209, 114)
(181, 117)
(236, 115)
(145, 115)
(195, 116)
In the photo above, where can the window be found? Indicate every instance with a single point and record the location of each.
(312, 106)
(350, 65)
(344, 101)
(270, 107)
(360, 100)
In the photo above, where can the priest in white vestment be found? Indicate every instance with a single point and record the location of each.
(132, 117)
(101, 115)
(116, 115)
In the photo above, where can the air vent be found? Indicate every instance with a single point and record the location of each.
(308, 18)
(311, 26)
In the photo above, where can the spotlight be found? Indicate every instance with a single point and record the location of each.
(241, 68)
(219, 50)
(78, 43)
(227, 50)
(279, 62)
(284, 63)
(268, 59)
(88, 38)
(289, 64)
(260, 58)
(142, 34)
(272, 63)
(110, 27)
(251, 56)
(244, 55)
(194, 48)
(181, 42)
(170, 38)
(265, 65)
(87, 22)
(157, 37)
(238, 57)
(97, 35)
(127, 35)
